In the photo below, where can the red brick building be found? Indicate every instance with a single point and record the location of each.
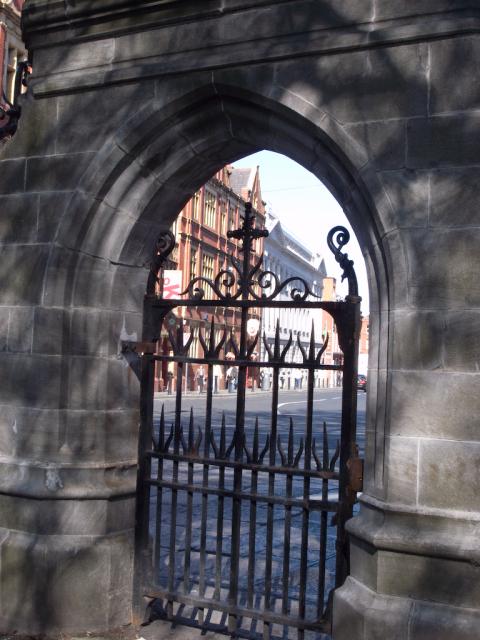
(202, 249)
(12, 49)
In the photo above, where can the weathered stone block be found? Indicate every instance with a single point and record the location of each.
(51, 330)
(455, 467)
(443, 141)
(454, 197)
(35, 133)
(30, 433)
(436, 579)
(89, 332)
(357, 87)
(439, 276)
(121, 434)
(391, 9)
(18, 218)
(20, 329)
(52, 206)
(451, 86)
(408, 194)
(401, 468)
(462, 341)
(435, 404)
(30, 380)
(396, 255)
(417, 339)
(102, 111)
(22, 269)
(55, 173)
(384, 142)
(128, 289)
(12, 174)
(87, 378)
(49, 597)
(4, 316)
(438, 622)
(75, 278)
(123, 386)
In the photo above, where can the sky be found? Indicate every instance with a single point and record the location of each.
(308, 210)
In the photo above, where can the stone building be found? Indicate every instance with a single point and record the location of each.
(202, 249)
(287, 257)
(133, 105)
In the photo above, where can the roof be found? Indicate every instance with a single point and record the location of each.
(241, 180)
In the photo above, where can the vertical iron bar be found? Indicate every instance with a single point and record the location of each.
(349, 331)
(247, 238)
(271, 492)
(253, 520)
(323, 529)
(173, 514)
(206, 454)
(288, 525)
(189, 513)
(237, 475)
(158, 528)
(307, 463)
(220, 513)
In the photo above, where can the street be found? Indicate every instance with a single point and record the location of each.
(183, 513)
(292, 404)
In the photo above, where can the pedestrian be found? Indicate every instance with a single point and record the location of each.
(232, 374)
(298, 379)
(170, 375)
(200, 378)
(282, 380)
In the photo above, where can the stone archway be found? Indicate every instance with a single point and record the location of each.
(85, 187)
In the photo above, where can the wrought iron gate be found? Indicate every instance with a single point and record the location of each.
(233, 516)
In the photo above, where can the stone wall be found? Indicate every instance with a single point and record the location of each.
(133, 105)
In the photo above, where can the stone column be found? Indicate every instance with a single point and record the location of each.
(414, 555)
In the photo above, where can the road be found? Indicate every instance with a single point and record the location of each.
(292, 404)
(183, 529)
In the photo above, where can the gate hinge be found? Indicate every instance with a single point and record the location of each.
(355, 475)
(138, 347)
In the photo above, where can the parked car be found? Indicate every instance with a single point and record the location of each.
(362, 382)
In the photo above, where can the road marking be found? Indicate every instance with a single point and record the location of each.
(282, 404)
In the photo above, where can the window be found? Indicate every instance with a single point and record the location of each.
(232, 216)
(193, 263)
(196, 206)
(210, 207)
(14, 56)
(208, 271)
(223, 217)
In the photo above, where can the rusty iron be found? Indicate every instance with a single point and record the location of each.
(217, 469)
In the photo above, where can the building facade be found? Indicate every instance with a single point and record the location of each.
(286, 257)
(12, 49)
(202, 250)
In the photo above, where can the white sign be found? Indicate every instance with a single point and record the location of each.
(172, 283)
